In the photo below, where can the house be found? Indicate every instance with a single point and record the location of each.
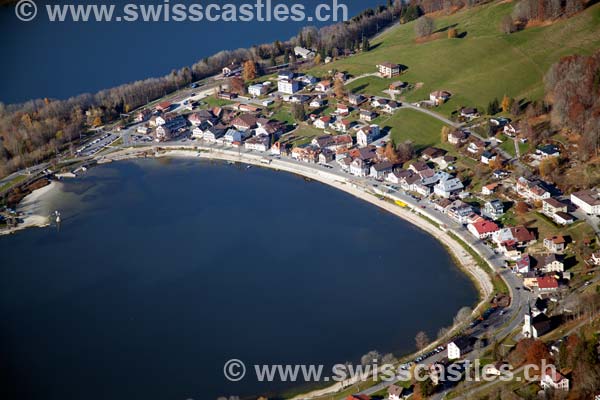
(307, 80)
(487, 157)
(323, 86)
(227, 95)
(532, 190)
(595, 258)
(367, 135)
(368, 116)
(459, 347)
(518, 235)
(587, 200)
(388, 70)
(563, 218)
(214, 133)
(439, 97)
(258, 90)
(496, 369)
(303, 53)
(547, 151)
(547, 283)
(233, 136)
(164, 106)
(142, 116)
(448, 186)
(356, 99)
(380, 170)
(379, 102)
(534, 327)
(469, 113)
(476, 146)
(317, 103)
(522, 265)
(342, 125)
(244, 122)
(231, 69)
(288, 86)
(493, 209)
(258, 143)
(489, 189)
(144, 130)
(342, 109)
(285, 75)
(457, 137)
(552, 379)
(391, 107)
(345, 163)
(299, 99)
(444, 162)
(512, 129)
(432, 152)
(397, 86)
(550, 263)
(359, 167)
(395, 392)
(551, 206)
(482, 229)
(170, 127)
(323, 122)
(326, 156)
(555, 244)
(333, 142)
(306, 153)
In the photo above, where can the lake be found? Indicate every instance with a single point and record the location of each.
(60, 60)
(162, 270)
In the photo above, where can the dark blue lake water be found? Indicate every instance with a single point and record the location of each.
(59, 60)
(163, 270)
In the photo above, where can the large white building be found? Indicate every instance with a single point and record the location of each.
(367, 135)
(587, 200)
(288, 86)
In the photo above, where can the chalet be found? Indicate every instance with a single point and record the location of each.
(469, 113)
(164, 107)
(326, 156)
(391, 107)
(448, 187)
(303, 53)
(143, 115)
(547, 151)
(388, 70)
(367, 135)
(323, 86)
(244, 122)
(532, 190)
(489, 189)
(342, 109)
(493, 209)
(459, 347)
(379, 102)
(439, 97)
(547, 284)
(356, 99)
(487, 157)
(554, 380)
(258, 90)
(518, 235)
(323, 122)
(555, 244)
(231, 69)
(457, 137)
(522, 264)
(380, 170)
(342, 125)
(587, 200)
(432, 152)
(418, 166)
(512, 129)
(482, 229)
(359, 167)
(550, 263)
(288, 86)
(368, 116)
(258, 143)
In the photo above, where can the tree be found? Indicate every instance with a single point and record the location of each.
(421, 340)
(507, 26)
(249, 70)
(424, 26)
(97, 121)
(338, 88)
(493, 107)
(548, 166)
(444, 134)
(537, 352)
(463, 315)
(452, 33)
(298, 112)
(370, 357)
(521, 208)
(506, 103)
(236, 85)
(390, 152)
(317, 60)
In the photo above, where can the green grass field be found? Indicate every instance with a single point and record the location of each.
(483, 64)
(421, 129)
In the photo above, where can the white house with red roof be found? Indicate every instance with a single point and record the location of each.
(483, 229)
(552, 379)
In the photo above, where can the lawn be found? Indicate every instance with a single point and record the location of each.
(421, 129)
(481, 65)
(371, 85)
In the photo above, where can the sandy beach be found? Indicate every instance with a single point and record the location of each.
(34, 209)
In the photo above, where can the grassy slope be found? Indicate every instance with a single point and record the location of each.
(485, 63)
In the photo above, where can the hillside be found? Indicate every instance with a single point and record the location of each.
(482, 63)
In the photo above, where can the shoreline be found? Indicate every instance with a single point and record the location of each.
(465, 262)
(32, 209)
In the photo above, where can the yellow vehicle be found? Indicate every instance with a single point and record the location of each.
(401, 203)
